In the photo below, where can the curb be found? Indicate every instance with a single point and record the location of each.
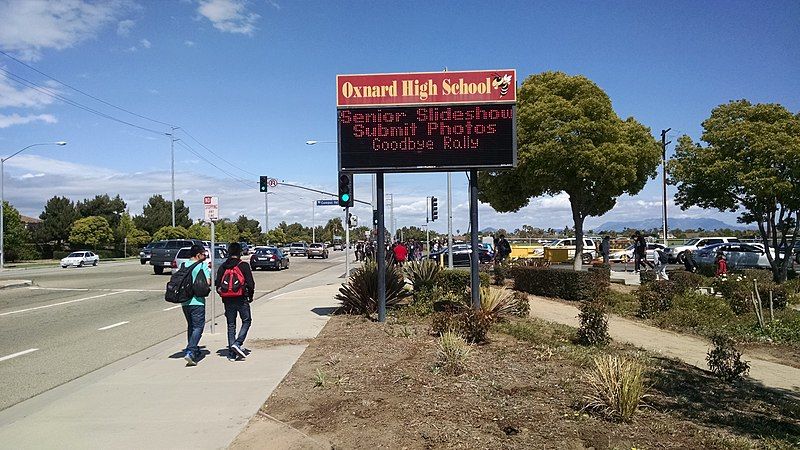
(15, 283)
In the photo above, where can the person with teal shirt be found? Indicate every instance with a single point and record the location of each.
(194, 309)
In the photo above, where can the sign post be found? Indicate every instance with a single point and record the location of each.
(427, 122)
(211, 207)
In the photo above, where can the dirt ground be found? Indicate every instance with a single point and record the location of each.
(362, 384)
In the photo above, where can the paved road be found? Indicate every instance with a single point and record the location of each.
(74, 321)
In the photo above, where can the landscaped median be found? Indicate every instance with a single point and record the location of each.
(439, 374)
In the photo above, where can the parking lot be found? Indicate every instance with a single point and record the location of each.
(73, 321)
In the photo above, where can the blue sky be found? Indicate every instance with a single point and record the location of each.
(253, 80)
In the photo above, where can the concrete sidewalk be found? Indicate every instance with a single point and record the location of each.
(152, 400)
(689, 349)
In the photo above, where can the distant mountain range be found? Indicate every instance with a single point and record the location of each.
(681, 223)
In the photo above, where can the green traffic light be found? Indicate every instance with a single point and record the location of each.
(345, 197)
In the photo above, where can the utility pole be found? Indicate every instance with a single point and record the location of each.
(449, 220)
(313, 221)
(391, 217)
(172, 140)
(664, 176)
(427, 226)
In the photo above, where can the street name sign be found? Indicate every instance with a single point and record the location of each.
(327, 202)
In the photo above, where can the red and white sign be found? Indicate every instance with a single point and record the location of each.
(272, 182)
(211, 207)
(209, 200)
(423, 88)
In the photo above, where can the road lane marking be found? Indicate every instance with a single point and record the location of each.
(112, 326)
(24, 352)
(171, 307)
(279, 295)
(60, 303)
(94, 289)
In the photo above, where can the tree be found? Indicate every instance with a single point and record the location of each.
(169, 232)
(569, 139)
(332, 228)
(92, 231)
(104, 206)
(57, 218)
(751, 163)
(124, 228)
(138, 238)
(15, 235)
(157, 213)
(413, 233)
(200, 231)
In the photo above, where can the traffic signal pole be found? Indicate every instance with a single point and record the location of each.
(381, 250)
(346, 243)
(473, 224)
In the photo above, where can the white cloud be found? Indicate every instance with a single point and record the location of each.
(230, 16)
(32, 26)
(124, 27)
(15, 119)
(13, 97)
(145, 43)
(188, 43)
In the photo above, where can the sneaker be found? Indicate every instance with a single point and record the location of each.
(189, 360)
(231, 357)
(238, 350)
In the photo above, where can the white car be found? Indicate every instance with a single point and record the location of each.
(678, 253)
(588, 248)
(627, 254)
(80, 259)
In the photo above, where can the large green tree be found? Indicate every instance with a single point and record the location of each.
(170, 232)
(92, 231)
(15, 235)
(103, 205)
(157, 213)
(200, 231)
(569, 139)
(57, 218)
(751, 163)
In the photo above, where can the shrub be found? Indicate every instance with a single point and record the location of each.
(522, 305)
(617, 387)
(725, 361)
(422, 302)
(422, 273)
(566, 284)
(457, 282)
(655, 297)
(736, 291)
(696, 312)
(470, 324)
(685, 281)
(647, 276)
(497, 304)
(360, 294)
(593, 328)
(452, 353)
(500, 273)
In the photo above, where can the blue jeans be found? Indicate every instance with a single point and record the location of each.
(241, 307)
(195, 322)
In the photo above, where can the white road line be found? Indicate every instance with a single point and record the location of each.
(38, 288)
(112, 326)
(60, 303)
(171, 307)
(279, 295)
(24, 352)
(99, 290)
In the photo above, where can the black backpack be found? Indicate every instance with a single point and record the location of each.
(179, 288)
(663, 258)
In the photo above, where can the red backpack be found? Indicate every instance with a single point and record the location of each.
(232, 284)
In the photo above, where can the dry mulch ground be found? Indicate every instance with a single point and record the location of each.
(362, 384)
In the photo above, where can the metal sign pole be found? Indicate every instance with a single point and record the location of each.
(266, 210)
(473, 224)
(346, 243)
(213, 290)
(381, 251)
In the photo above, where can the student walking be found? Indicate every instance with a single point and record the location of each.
(194, 309)
(235, 285)
(660, 260)
(605, 248)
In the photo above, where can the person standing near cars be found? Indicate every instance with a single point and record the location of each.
(605, 248)
(503, 248)
(235, 285)
(194, 309)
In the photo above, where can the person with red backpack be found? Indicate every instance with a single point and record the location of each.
(235, 286)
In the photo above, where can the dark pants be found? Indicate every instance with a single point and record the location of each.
(605, 258)
(195, 321)
(241, 307)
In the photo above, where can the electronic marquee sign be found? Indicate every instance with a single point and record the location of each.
(416, 122)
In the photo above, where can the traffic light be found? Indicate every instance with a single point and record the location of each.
(434, 208)
(263, 183)
(345, 189)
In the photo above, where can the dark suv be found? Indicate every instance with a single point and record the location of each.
(144, 255)
(162, 257)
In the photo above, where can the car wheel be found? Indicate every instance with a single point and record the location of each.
(143, 261)
(681, 258)
(625, 259)
(64, 267)
(158, 270)
(80, 264)
(586, 258)
(94, 263)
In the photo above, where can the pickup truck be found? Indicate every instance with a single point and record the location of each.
(162, 257)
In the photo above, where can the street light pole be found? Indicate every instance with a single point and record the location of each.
(3, 197)
(664, 176)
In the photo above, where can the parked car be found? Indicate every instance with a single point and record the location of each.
(317, 250)
(269, 258)
(678, 253)
(144, 255)
(184, 256)
(338, 246)
(163, 257)
(738, 255)
(80, 259)
(245, 248)
(298, 249)
(588, 254)
(627, 254)
(462, 254)
(285, 249)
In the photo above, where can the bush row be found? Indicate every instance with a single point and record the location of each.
(566, 284)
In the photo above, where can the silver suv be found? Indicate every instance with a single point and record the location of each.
(298, 249)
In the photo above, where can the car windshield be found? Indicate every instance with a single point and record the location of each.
(159, 244)
(265, 251)
(184, 253)
(297, 244)
(75, 255)
(692, 241)
(316, 246)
